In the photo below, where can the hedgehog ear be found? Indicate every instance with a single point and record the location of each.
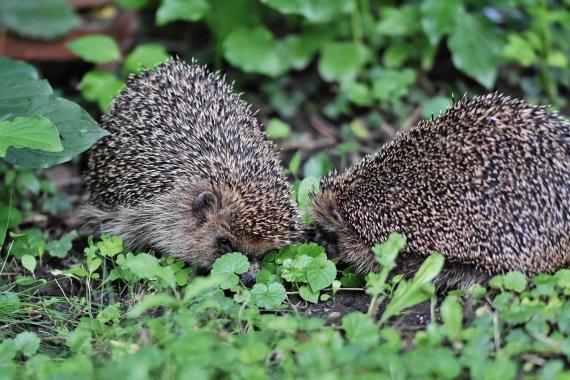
(204, 202)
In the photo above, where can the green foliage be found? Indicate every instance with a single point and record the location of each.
(40, 19)
(95, 48)
(31, 113)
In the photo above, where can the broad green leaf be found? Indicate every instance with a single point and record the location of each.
(342, 61)
(308, 295)
(418, 289)
(436, 106)
(358, 93)
(147, 266)
(188, 10)
(101, 87)
(151, 301)
(308, 186)
(200, 285)
(398, 21)
(439, 17)
(38, 19)
(255, 51)
(27, 343)
(29, 132)
(96, 48)
(145, 56)
(297, 50)
(295, 163)
(29, 262)
(318, 165)
(360, 329)
(60, 248)
(475, 49)
(452, 316)
(34, 98)
(320, 273)
(268, 296)
(230, 265)
(392, 84)
(29, 242)
(515, 281)
(277, 129)
(313, 10)
(519, 50)
(358, 128)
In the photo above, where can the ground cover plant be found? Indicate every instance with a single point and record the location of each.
(333, 81)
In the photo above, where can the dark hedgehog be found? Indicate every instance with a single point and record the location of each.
(487, 184)
(188, 170)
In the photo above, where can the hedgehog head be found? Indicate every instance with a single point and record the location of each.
(222, 219)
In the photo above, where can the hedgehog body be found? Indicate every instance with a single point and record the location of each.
(487, 184)
(187, 170)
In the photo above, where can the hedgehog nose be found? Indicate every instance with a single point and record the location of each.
(248, 278)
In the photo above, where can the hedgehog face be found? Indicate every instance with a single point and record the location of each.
(327, 223)
(215, 232)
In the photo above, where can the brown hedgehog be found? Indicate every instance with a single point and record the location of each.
(187, 170)
(487, 184)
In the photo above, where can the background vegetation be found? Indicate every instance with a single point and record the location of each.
(333, 80)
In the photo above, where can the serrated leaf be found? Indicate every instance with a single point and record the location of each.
(60, 248)
(230, 265)
(255, 50)
(29, 132)
(475, 49)
(27, 343)
(29, 262)
(515, 281)
(38, 19)
(268, 296)
(342, 61)
(320, 273)
(188, 10)
(96, 48)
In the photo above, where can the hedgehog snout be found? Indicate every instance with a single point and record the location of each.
(327, 239)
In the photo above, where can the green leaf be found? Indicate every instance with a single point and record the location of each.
(230, 265)
(25, 96)
(308, 295)
(188, 10)
(557, 59)
(393, 84)
(475, 49)
(277, 129)
(255, 51)
(30, 242)
(27, 343)
(110, 246)
(29, 132)
(145, 56)
(320, 273)
(342, 61)
(60, 248)
(400, 21)
(268, 296)
(313, 10)
(96, 48)
(38, 19)
(436, 106)
(439, 17)
(200, 285)
(387, 252)
(295, 162)
(101, 87)
(519, 50)
(318, 165)
(147, 266)
(411, 293)
(132, 5)
(308, 186)
(452, 316)
(360, 329)
(358, 93)
(151, 301)
(515, 281)
(29, 262)
(358, 128)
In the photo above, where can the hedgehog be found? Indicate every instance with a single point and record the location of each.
(487, 184)
(187, 170)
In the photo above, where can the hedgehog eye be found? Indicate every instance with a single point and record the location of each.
(224, 245)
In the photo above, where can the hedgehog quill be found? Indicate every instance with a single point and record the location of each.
(487, 184)
(188, 171)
